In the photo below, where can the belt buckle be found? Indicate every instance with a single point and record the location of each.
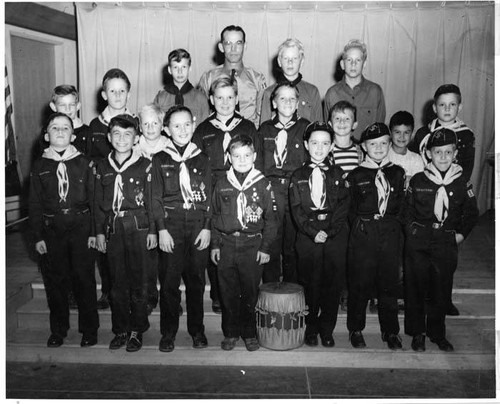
(282, 181)
(236, 234)
(120, 213)
(437, 225)
(322, 216)
(378, 216)
(65, 211)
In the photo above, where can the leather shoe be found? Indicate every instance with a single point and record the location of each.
(418, 343)
(443, 344)
(166, 344)
(357, 339)
(452, 310)
(118, 341)
(134, 343)
(228, 343)
(200, 340)
(88, 340)
(311, 340)
(54, 341)
(216, 308)
(251, 344)
(327, 341)
(393, 341)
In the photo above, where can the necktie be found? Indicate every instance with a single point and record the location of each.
(317, 185)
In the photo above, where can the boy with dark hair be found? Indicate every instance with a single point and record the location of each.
(283, 153)
(377, 196)
(181, 189)
(60, 206)
(366, 95)
(441, 212)
(125, 230)
(244, 226)
(319, 201)
(180, 91)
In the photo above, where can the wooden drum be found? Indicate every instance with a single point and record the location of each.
(281, 310)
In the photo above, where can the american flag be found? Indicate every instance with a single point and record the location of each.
(10, 139)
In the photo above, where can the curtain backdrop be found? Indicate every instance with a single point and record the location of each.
(412, 49)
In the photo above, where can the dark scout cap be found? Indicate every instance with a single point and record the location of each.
(374, 131)
(442, 137)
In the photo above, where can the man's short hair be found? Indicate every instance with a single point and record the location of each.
(291, 43)
(55, 115)
(284, 83)
(63, 90)
(232, 28)
(357, 44)
(177, 55)
(240, 140)
(343, 106)
(154, 109)
(115, 73)
(124, 121)
(224, 81)
(448, 89)
(175, 109)
(402, 118)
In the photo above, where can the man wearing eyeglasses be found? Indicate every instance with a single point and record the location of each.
(251, 83)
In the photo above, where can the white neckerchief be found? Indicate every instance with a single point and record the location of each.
(280, 152)
(441, 202)
(383, 187)
(118, 189)
(144, 149)
(253, 176)
(457, 126)
(190, 151)
(226, 129)
(317, 185)
(105, 116)
(62, 171)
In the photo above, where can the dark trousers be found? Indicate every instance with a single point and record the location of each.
(184, 262)
(103, 267)
(69, 265)
(128, 259)
(321, 267)
(373, 270)
(283, 255)
(239, 279)
(151, 277)
(213, 279)
(431, 259)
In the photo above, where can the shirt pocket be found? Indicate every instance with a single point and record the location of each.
(141, 221)
(225, 205)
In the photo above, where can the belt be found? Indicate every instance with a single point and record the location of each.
(377, 216)
(68, 211)
(437, 225)
(282, 181)
(126, 213)
(240, 234)
(321, 216)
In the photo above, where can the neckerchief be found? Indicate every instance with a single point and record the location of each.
(190, 151)
(234, 121)
(317, 185)
(293, 82)
(105, 116)
(280, 152)
(118, 187)
(143, 148)
(179, 92)
(383, 187)
(457, 126)
(62, 171)
(441, 202)
(253, 176)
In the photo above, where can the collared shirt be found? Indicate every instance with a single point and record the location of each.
(411, 162)
(309, 104)
(194, 99)
(367, 97)
(251, 85)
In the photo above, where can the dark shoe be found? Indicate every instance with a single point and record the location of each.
(343, 304)
(118, 341)
(393, 341)
(54, 341)
(452, 310)
(166, 344)
(373, 306)
(444, 345)
(251, 344)
(103, 302)
(228, 343)
(327, 341)
(357, 340)
(72, 301)
(88, 340)
(134, 343)
(200, 340)
(311, 340)
(216, 307)
(418, 343)
(181, 312)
